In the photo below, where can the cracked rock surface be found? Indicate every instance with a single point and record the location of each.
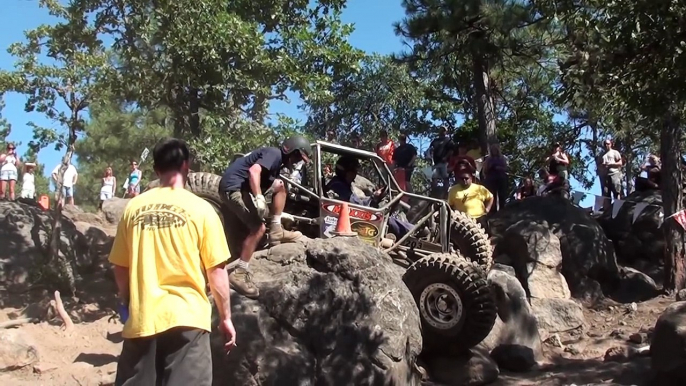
(330, 312)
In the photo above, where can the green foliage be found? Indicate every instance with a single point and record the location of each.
(381, 96)
(5, 126)
(220, 57)
(222, 138)
(116, 136)
(68, 78)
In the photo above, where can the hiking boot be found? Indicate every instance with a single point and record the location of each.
(278, 235)
(241, 282)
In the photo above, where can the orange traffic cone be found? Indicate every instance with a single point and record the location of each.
(343, 225)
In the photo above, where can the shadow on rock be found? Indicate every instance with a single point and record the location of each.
(587, 253)
(334, 312)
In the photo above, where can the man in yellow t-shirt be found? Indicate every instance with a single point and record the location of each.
(469, 197)
(167, 240)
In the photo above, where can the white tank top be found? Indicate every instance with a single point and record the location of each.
(108, 183)
(9, 164)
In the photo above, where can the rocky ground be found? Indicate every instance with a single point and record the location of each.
(579, 336)
(87, 355)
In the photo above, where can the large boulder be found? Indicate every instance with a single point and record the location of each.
(586, 252)
(514, 342)
(668, 347)
(640, 240)
(26, 231)
(16, 350)
(113, 209)
(332, 312)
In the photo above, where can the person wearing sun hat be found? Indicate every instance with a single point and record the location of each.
(28, 182)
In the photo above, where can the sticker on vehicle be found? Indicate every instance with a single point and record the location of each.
(354, 212)
(330, 220)
(365, 230)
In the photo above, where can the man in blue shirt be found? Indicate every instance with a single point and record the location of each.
(243, 186)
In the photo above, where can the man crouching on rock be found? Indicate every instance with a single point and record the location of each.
(168, 239)
(242, 188)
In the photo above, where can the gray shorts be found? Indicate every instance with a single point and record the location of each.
(240, 203)
(177, 357)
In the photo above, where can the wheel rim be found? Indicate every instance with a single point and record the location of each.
(440, 306)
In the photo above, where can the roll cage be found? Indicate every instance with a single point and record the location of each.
(393, 200)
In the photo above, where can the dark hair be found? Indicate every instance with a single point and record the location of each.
(402, 137)
(170, 154)
(383, 133)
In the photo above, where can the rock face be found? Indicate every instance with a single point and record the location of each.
(586, 251)
(668, 347)
(535, 254)
(26, 229)
(537, 259)
(333, 312)
(113, 209)
(16, 350)
(640, 240)
(514, 341)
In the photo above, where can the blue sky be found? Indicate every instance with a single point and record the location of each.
(373, 21)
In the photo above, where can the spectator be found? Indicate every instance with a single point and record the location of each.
(69, 180)
(167, 241)
(108, 187)
(405, 157)
(440, 150)
(469, 197)
(527, 189)
(242, 188)
(461, 159)
(495, 176)
(558, 162)
(385, 148)
(28, 182)
(8, 172)
(612, 162)
(133, 186)
(652, 168)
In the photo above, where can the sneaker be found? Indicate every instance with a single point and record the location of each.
(278, 235)
(241, 281)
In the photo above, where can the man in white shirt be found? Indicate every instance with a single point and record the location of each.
(70, 178)
(612, 164)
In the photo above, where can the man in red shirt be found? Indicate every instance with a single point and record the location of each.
(385, 148)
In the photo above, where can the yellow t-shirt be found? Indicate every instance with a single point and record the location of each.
(168, 238)
(469, 200)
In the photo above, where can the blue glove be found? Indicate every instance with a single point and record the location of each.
(123, 310)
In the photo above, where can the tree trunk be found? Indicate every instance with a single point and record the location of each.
(484, 102)
(674, 253)
(65, 273)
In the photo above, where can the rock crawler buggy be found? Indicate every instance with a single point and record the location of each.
(447, 255)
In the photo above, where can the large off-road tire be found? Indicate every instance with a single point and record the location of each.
(471, 240)
(456, 303)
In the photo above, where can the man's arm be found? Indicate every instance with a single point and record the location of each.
(214, 253)
(76, 177)
(255, 178)
(121, 277)
(219, 286)
(120, 257)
